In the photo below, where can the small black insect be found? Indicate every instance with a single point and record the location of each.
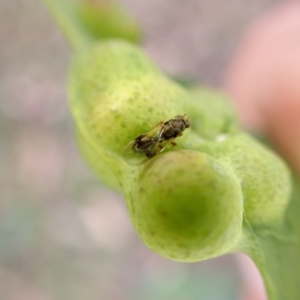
(160, 137)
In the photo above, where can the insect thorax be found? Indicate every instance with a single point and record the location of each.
(173, 128)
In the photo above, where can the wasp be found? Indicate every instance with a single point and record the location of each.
(160, 137)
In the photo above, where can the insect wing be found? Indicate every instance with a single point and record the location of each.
(155, 131)
(144, 142)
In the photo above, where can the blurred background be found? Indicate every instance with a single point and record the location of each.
(63, 235)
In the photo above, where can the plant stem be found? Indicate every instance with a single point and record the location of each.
(65, 14)
(278, 257)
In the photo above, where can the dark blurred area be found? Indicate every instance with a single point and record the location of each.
(63, 235)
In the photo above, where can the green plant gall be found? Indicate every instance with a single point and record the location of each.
(186, 217)
(188, 202)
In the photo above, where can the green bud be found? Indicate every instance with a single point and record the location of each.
(116, 94)
(186, 206)
(263, 177)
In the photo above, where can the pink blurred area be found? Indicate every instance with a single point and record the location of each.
(263, 79)
(63, 235)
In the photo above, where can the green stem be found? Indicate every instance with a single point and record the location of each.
(65, 14)
(278, 257)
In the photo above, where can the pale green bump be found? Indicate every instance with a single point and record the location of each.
(186, 206)
(264, 179)
(212, 113)
(116, 94)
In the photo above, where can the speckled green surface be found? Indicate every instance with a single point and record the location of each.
(264, 187)
(186, 217)
(187, 203)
